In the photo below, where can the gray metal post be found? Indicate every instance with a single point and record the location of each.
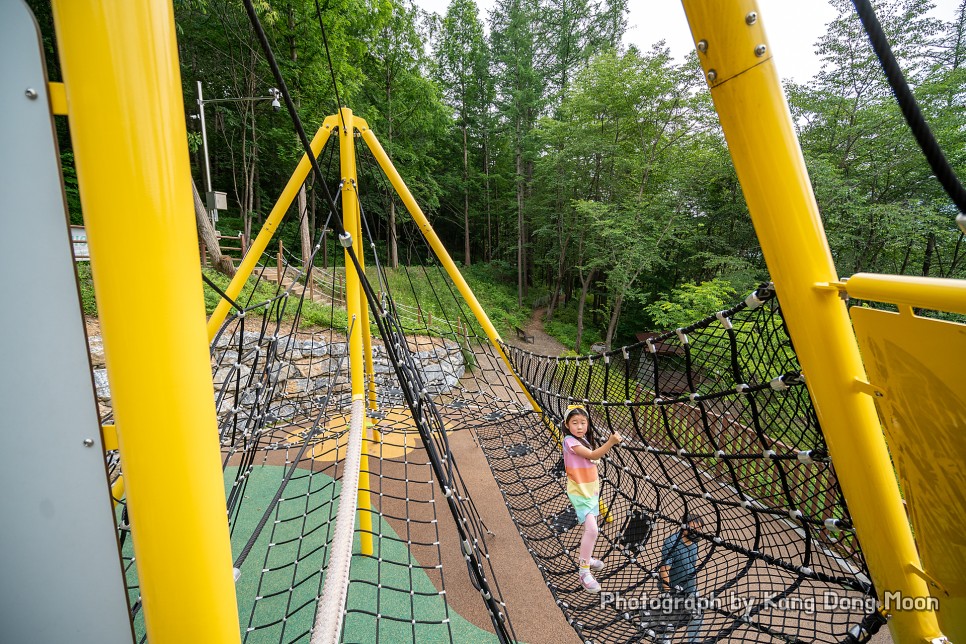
(212, 209)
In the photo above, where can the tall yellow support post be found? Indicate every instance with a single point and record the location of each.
(123, 85)
(758, 127)
(271, 225)
(358, 312)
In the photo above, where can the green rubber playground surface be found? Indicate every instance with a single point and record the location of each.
(390, 588)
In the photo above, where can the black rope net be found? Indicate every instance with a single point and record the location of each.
(717, 422)
(280, 368)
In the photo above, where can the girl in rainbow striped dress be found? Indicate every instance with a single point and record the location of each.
(583, 486)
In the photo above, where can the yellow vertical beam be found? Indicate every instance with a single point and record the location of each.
(265, 235)
(758, 127)
(123, 85)
(427, 230)
(360, 352)
(363, 302)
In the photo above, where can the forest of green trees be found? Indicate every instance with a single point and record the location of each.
(590, 176)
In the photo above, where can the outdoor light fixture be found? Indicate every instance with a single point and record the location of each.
(215, 200)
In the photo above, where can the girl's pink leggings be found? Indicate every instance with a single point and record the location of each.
(589, 539)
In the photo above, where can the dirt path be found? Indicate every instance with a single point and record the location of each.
(543, 343)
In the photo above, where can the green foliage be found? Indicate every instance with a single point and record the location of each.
(252, 293)
(194, 142)
(603, 165)
(312, 314)
(85, 282)
(71, 187)
(566, 332)
(883, 210)
(690, 303)
(413, 289)
(326, 317)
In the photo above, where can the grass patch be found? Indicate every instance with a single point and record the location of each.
(563, 327)
(85, 282)
(419, 292)
(421, 289)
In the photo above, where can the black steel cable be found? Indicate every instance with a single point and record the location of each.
(910, 108)
(328, 55)
(220, 292)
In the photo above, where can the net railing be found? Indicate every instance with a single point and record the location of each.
(717, 423)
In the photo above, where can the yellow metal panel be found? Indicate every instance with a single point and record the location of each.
(109, 436)
(761, 137)
(117, 490)
(120, 66)
(919, 364)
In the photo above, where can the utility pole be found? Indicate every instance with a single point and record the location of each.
(214, 199)
(209, 201)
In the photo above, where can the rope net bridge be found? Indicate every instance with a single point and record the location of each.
(717, 422)
(715, 417)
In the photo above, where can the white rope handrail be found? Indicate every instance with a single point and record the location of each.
(331, 606)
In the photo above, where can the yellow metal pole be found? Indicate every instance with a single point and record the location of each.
(363, 302)
(358, 316)
(261, 241)
(427, 230)
(737, 61)
(123, 86)
(922, 292)
(117, 490)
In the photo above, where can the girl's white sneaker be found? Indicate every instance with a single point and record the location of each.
(588, 582)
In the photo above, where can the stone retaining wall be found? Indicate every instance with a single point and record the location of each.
(293, 374)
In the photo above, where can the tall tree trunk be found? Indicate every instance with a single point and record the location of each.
(614, 316)
(312, 206)
(905, 259)
(520, 256)
(249, 205)
(393, 247)
(930, 248)
(486, 171)
(558, 282)
(954, 262)
(222, 263)
(562, 235)
(584, 285)
(256, 201)
(527, 258)
(304, 230)
(466, 200)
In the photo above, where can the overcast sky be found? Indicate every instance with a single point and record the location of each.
(793, 26)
